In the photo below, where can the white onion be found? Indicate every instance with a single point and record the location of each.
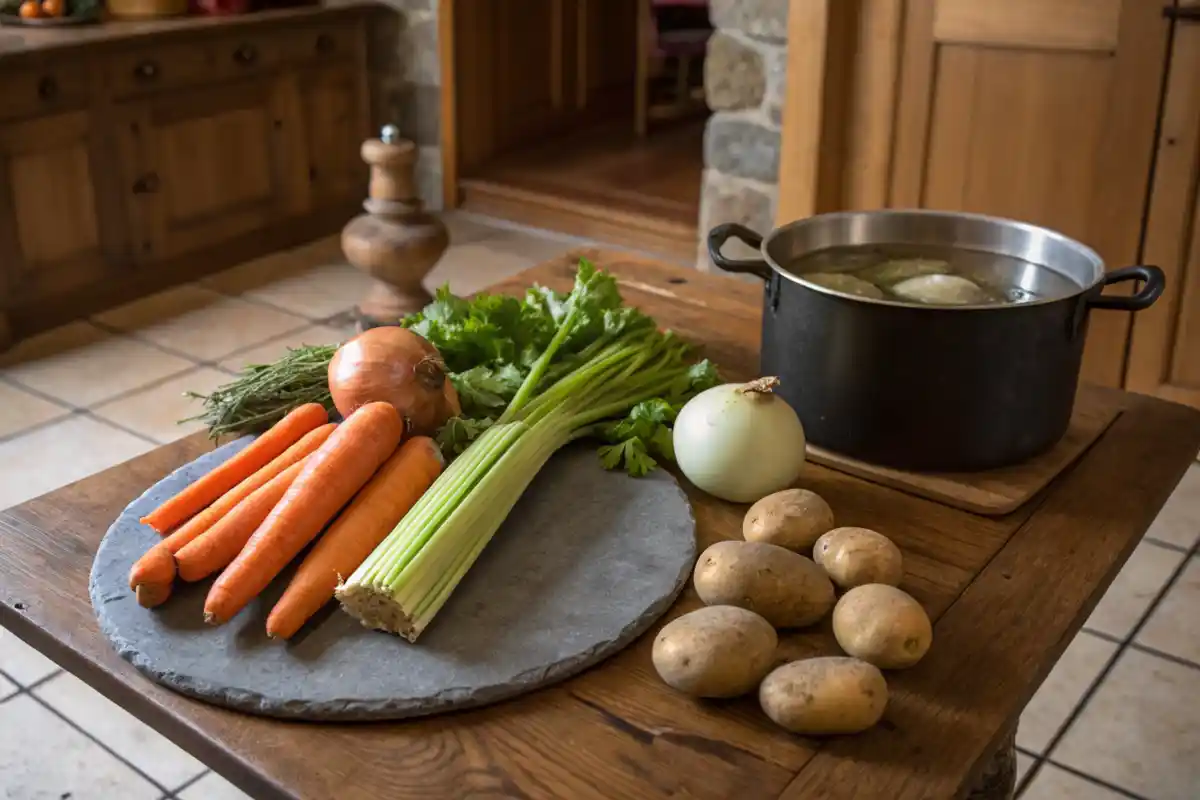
(739, 442)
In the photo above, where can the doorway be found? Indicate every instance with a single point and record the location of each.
(581, 116)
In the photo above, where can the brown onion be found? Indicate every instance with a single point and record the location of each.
(394, 365)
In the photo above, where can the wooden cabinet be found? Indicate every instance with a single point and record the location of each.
(131, 164)
(203, 166)
(1164, 353)
(56, 233)
(1040, 110)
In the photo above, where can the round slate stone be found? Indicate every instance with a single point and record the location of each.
(586, 562)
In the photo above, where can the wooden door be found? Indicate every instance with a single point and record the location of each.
(204, 166)
(333, 126)
(56, 233)
(1040, 110)
(1164, 355)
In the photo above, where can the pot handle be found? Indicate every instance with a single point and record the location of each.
(721, 234)
(1153, 283)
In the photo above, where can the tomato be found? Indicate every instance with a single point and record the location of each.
(53, 8)
(30, 9)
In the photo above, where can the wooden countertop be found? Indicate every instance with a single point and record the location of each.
(1006, 596)
(17, 41)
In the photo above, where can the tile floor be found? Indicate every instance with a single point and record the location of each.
(1119, 717)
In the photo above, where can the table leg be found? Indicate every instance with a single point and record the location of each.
(999, 778)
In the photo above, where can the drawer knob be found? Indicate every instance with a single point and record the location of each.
(146, 70)
(325, 44)
(146, 184)
(246, 55)
(47, 88)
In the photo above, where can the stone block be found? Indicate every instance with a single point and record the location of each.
(734, 74)
(741, 147)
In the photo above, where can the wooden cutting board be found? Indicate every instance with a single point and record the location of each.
(996, 492)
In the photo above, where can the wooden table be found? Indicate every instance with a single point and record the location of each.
(1006, 596)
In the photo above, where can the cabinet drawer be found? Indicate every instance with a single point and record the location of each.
(157, 68)
(42, 91)
(322, 43)
(245, 56)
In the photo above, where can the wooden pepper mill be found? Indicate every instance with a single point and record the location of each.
(396, 242)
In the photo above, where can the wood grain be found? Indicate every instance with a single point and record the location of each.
(1006, 593)
(1051, 24)
(999, 491)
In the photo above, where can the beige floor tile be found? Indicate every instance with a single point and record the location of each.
(254, 274)
(465, 227)
(21, 662)
(7, 688)
(49, 343)
(1079, 667)
(1052, 783)
(474, 266)
(156, 411)
(201, 323)
(81, 365)
(531, 246)
(1139, 582)
(316, 292)
(277, 348)
(1174, 627)
(44, 758)
(1141, 730)
(1024, 764)
(44, 459)
(20, 410)
(213, 787)
(118, 730)
(1179, 521)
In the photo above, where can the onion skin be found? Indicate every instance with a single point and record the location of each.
(739, 442)
(394, 365)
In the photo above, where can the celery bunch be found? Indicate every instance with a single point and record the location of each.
(533, 376)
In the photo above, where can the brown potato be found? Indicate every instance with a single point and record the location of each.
(787, 589)
(882, 625)
(824, 696)
(793, 518)
(719, 651)
(858, 556)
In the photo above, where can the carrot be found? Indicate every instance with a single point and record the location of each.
(330, 477)
(358, 530)
(217, 547)
(308, 443)
(152, 574)
(266, 447)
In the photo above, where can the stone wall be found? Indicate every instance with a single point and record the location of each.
(406, 83)
(743, 81)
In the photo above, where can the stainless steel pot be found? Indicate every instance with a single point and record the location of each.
(927, 387)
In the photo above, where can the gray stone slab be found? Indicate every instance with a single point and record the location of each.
(585, 563)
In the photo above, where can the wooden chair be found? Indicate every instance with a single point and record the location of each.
(678, 47)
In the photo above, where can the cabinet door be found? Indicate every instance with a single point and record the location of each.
(203, 166)
(1164, 355)
(333, 125)
(1041, 110)
(55, 233)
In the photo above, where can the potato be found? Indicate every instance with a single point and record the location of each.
(793, 518)
(787, 589)
(719, 651)
(882, 625)
(824, 695)
(857, 556)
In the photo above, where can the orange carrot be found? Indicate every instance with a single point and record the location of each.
(358, 530)
(152, 574)
(218, 546)
(330, 477)
(308, 443)
(261, 451)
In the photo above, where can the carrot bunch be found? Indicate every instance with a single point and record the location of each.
(254, 513)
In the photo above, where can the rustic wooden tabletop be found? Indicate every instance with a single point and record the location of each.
(1006, 596)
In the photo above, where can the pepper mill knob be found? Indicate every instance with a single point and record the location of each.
(396, 242)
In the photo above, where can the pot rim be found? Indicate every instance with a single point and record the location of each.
(1098, 276)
